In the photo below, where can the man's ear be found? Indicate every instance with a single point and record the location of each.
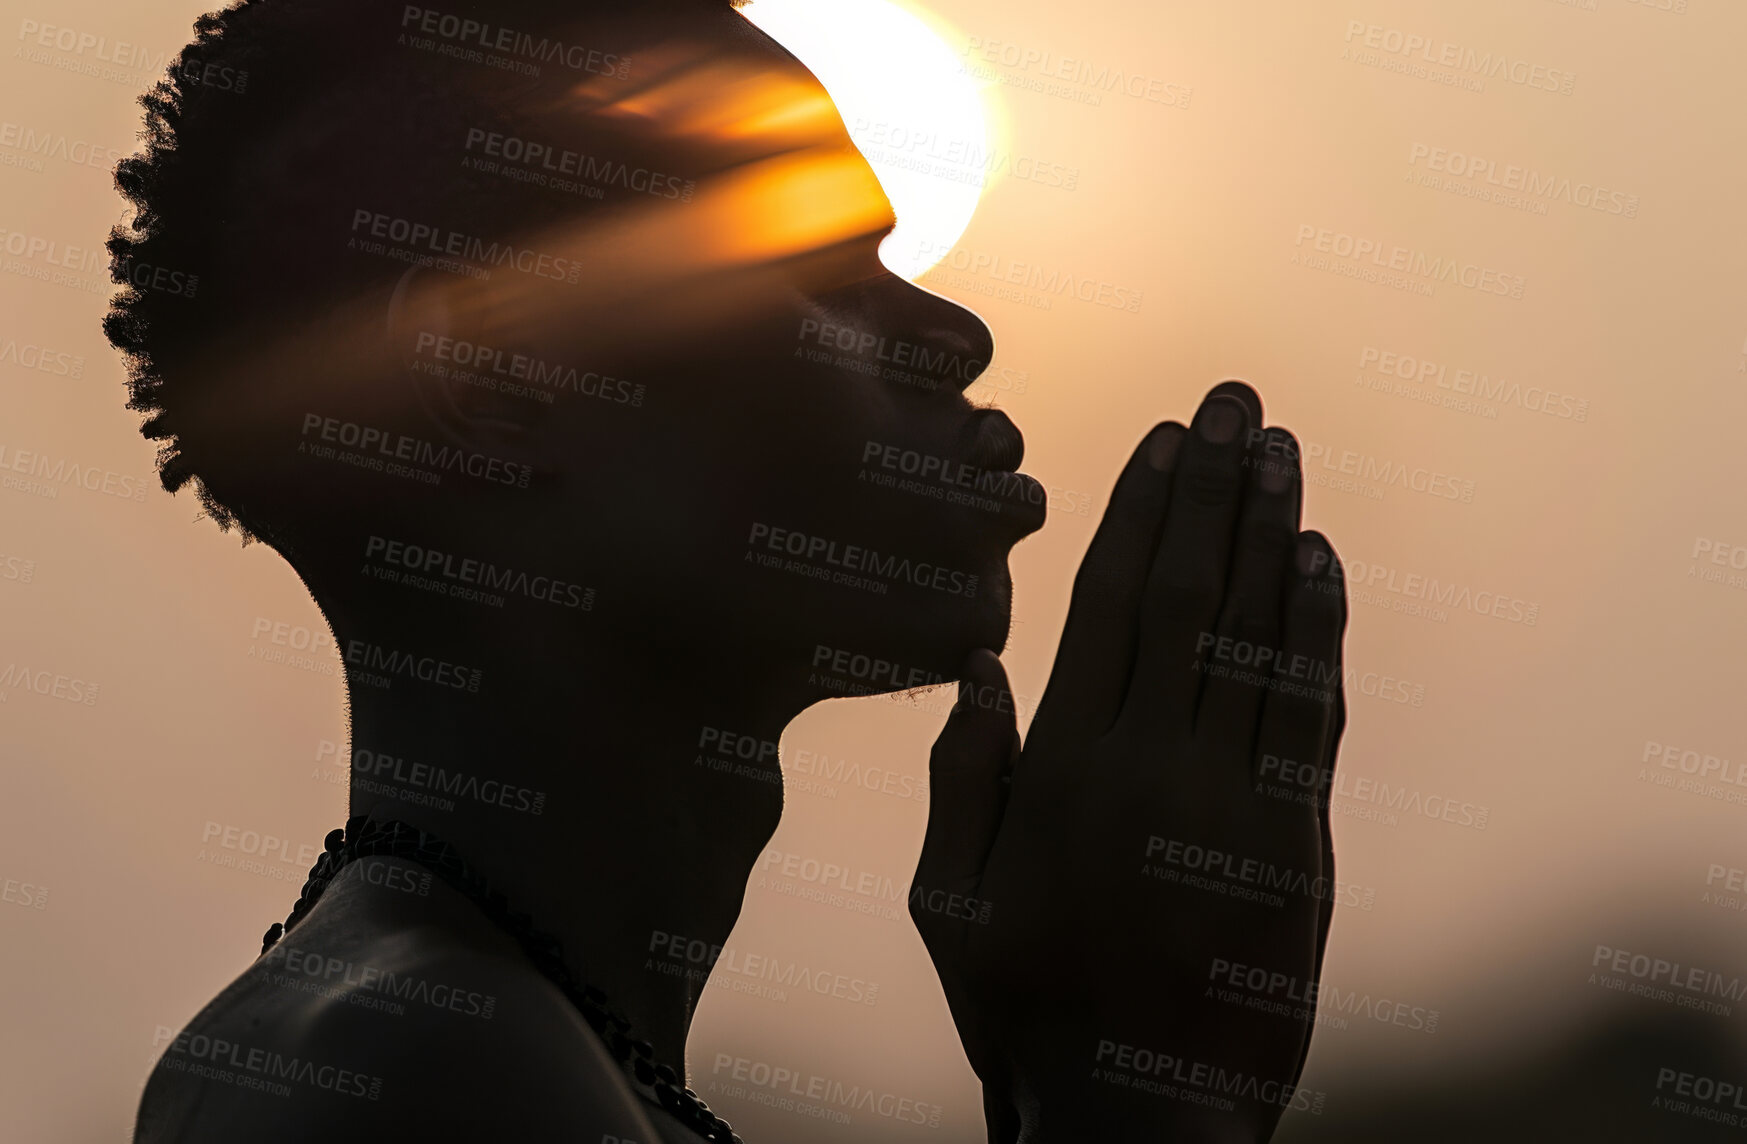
(455, 371)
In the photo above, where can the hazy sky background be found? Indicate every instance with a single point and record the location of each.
(1226, 212)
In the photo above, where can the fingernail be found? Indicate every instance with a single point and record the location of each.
(1313, 556)
(1219, 420)
(1161, 447)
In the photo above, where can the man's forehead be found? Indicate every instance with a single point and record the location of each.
(717, 86)
(776, 197)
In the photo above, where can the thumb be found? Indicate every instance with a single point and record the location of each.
(968, 774)
(967, 779)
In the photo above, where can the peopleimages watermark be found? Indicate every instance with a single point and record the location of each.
(398, 454)
(18, 569)
(476, 41)
(34, 145)
(270, 856)
(1464, 66)
(741, 755)
(1695, 763)
(91, 53)
(842, 669)
(1413, 593)
(759, 975)
(293, 645)
(1251, 879)
(1703, 1098)
(50, 260)
(943, 364)
(559, 168)
(257, 844)
(379, 666)
(868, 354)
(1024, 282)
(1718, 562)
(1370, 476)
(504, 371)
(829, 883)
(1405, 267)
(1514, 185)
(427, 784)
(1658, 979)
(149, 276)
(813, 772)
(804, 770)
(957, 159)
(28, 895)
(46, 476)
(1734, 880)
(848, 672)
(1262, 665)
(1465, 390)
(1278, 994)
(1369, 799)
(1196, 1082)
(1692, 772)
(811, 1094)
(952, 481)
(254, 852)
(368, 986)
(32, 356)
(467, 578)
(1050, 73)
(262, 1069)
(454, 251)
(853, 565)
(24, 677)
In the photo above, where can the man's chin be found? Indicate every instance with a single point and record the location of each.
(918, 647)
(984, 621)
(994, 622)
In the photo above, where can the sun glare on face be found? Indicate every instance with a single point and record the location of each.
(909, 107)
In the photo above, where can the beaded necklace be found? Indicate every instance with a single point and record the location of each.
(365, 838)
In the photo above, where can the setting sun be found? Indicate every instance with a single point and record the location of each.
(909, 106)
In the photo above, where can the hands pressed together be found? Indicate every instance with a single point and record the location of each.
(1155, 858)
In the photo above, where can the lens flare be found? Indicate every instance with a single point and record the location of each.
(909, 106)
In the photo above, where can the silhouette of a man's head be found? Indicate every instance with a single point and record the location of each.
(561, 324)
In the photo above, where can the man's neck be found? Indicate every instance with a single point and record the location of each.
(589, 800)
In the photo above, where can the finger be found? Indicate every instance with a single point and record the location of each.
(1239, 661)
(1330, 755)
(1304, 694)
(1328, 752)
(969, 772)
(1326, 910)
(1332, 748)
(1187, 581)
(1096, 654)
(1325, 915)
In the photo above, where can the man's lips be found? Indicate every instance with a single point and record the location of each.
(996, 443)
(996, 448)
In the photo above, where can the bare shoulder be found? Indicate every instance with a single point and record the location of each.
(356, 1029)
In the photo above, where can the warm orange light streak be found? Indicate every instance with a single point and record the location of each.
(729, 100)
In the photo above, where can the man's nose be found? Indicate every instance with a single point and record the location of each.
(955, 346)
